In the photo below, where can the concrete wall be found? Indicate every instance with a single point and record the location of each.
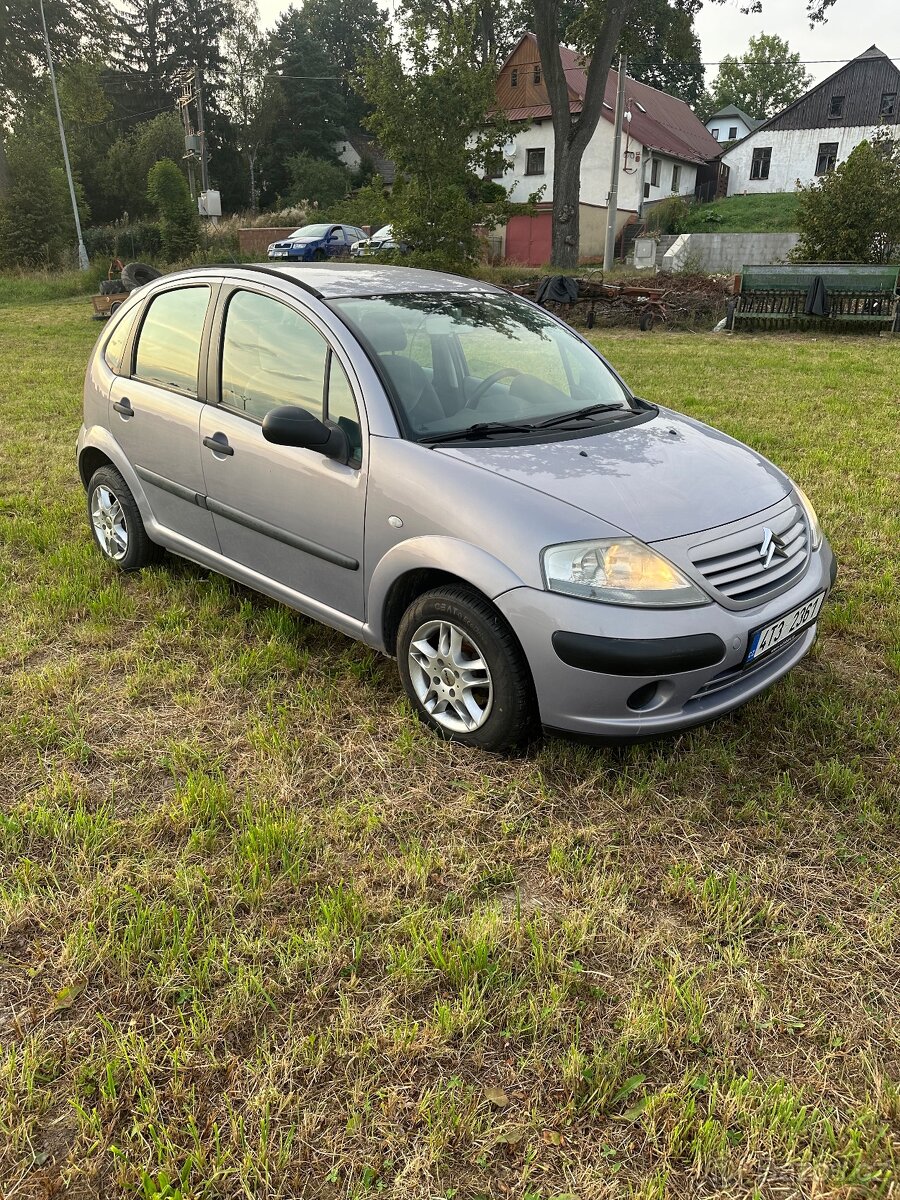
(728, 253)
(794, 154)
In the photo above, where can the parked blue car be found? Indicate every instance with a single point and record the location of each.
(316, 243)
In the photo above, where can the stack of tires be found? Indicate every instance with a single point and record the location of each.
(133, 275)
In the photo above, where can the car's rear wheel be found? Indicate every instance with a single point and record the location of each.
(319, 256)
(116, 522)
(464, 671)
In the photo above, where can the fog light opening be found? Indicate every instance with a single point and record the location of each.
(650, 695)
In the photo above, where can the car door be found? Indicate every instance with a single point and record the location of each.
(337, 245)
(286, 512)
(155, 407)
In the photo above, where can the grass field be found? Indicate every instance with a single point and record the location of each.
(775, 212)
(262, 936)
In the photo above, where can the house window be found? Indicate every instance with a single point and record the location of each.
(888, 104)
(495, 167)
(762, 160)
(534, 162)
(537, 74)
(715, 133)
(676, 176)
(732, 133)
(837, 107)
(827, 160)
(654, 173)
(514, 77)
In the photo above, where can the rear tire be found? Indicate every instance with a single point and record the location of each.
(464, 671)
(116, 522)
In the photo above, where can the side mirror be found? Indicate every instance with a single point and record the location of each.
(290, 425)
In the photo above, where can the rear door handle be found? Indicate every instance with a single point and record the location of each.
(123, 406)
(219, 445)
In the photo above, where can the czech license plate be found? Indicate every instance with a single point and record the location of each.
(764, 640)
(279, 253)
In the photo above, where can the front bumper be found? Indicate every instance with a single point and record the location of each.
(704, 649)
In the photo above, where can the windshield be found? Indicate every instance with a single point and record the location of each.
(311, 231)
(384, 232)
(458, 360)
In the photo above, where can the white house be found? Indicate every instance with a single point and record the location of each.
(815, 133)
(664, 145)
(730, 124)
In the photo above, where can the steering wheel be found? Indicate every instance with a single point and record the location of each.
(489, 383)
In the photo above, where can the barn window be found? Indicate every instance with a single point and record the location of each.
(827, 160)
(534, 164)
(514, 77)
(837, 107)
(762, 160)
(537, 74)
(888, 104)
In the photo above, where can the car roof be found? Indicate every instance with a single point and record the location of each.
(333, 280)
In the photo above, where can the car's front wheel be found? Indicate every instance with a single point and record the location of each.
(116, 521)
(464, 671)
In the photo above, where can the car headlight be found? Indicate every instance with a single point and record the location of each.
(815, 529)
(618, 571)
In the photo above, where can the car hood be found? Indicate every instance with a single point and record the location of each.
(664, 478)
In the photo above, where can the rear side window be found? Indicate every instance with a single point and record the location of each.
(271, 356)
(168, 349)
(116, 342)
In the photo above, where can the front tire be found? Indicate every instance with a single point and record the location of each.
(116, 522)
(464, 671)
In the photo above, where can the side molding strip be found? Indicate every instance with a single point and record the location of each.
(282, 535)
(169, 485)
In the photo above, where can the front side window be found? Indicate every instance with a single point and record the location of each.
(762, 161)
(341, 408)
(168, 349)
(534, 164)
(837, 106)
(457, 360)
(270, 356)
(827, 158)
(888, 104)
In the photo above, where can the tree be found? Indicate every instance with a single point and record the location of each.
(315, 180)
(430, 114)
(130, 158)
(763, 81)
(75, 28)
(35, 210)
(248, 91)
(599, 32)
(663, 48)
(346, 31)
(853, 214)
(169, 193)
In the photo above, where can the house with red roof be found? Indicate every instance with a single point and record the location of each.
(664, 147)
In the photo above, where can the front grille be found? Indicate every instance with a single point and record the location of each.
(735, 567)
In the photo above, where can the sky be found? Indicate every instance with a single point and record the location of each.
(852, 27)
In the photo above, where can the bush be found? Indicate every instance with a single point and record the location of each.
(369, 205)
(669, 215)
(140, 240)
(180, 225)
(315, 180)
(36, 222)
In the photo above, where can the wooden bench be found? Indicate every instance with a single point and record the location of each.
(775, 297)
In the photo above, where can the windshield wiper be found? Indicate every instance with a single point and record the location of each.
(580, 414)
(480, 429)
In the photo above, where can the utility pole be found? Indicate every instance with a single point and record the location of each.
(201, 129)
(82, 252)
(612, 210)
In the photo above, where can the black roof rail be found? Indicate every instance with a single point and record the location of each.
(261, 270)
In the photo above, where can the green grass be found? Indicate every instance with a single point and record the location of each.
(261, 935)
(770, 213)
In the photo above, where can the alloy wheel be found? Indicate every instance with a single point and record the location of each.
(108, 520)
(450, 676)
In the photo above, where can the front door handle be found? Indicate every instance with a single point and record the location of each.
(123, 406)
(218, 444)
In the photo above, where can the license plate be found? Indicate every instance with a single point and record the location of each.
(279, 253)
(764, 640)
